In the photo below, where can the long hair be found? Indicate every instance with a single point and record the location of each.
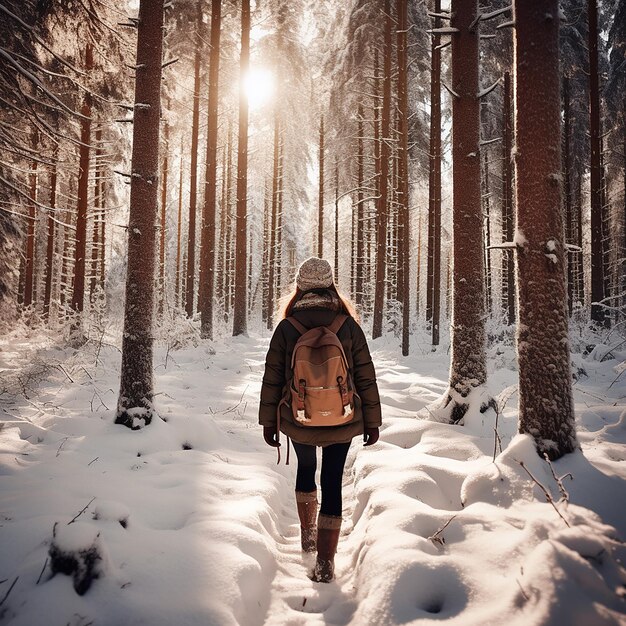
(287, 303)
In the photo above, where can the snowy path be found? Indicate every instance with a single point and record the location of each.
(295, 599)
(197, 524)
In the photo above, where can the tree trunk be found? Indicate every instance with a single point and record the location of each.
(580, 265)
(190, 287)
(179, 222)
(508, 265)
(207, 248)
(29, 263)
(487, 220)
(230, 256)
(240, 322)
(403, 171)
(567, 195)
(273, 224)
(597, 261)
(135, 407)
(607, 238)
(223, 224)
(623, 270)
(51, 234)
(320, 197)
(381, 213)
(545, 408)
(267, 217)
(433, 271)
(162, 230)
(279, 219)
(103, 213)
(336, 222)
(418, 273)
(468, 363)
(98, 216)
(78, 292)
(360, 212)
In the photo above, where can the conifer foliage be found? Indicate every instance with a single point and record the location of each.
(400, 140)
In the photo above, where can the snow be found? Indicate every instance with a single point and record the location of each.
(519, 239)
(194, 523)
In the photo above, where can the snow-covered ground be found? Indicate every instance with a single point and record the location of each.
(195, 524)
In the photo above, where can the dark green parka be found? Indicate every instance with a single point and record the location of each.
(367, 413)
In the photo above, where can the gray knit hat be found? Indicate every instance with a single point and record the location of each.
(314, 273)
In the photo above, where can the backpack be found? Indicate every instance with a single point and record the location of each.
(320, 391)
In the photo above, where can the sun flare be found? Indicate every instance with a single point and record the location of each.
(259, 86)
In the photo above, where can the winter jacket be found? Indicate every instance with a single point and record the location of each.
(278, 371)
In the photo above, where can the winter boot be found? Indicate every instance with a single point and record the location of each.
(307, 512)
(328, 527)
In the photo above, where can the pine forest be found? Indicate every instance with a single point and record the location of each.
(166, 169)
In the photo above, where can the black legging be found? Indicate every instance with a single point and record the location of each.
(333, 461)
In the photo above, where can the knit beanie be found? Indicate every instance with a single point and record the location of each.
(314, 273)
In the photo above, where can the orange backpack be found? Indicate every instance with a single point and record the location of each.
(321, 390)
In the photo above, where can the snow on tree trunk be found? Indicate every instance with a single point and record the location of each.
(207, 248)
(468, 366)
(545, 409)
(240, 321)
(135, 407)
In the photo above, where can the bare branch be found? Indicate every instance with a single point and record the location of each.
(81, 512)
(546, 493)
(488, 90)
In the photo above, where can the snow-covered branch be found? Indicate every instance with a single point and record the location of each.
(444, 30)
(488, 90)
(487, 142)
(488, 16)
(450, 90)
(441, 16)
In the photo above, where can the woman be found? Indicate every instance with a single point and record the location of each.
(316, 303)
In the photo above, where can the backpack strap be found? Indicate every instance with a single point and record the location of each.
(337, 323)
(296, 324)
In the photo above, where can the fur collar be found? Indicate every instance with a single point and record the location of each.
(318, 299)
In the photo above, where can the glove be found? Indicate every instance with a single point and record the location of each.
(370, 436)
(271, 436)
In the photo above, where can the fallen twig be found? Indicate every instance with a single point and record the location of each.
(6, 595)
(43, 569)
(65, 372)
(519, 584)
(61, 446)
(559, 481)
(435, 538)
(547, 494)
(81, 512)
